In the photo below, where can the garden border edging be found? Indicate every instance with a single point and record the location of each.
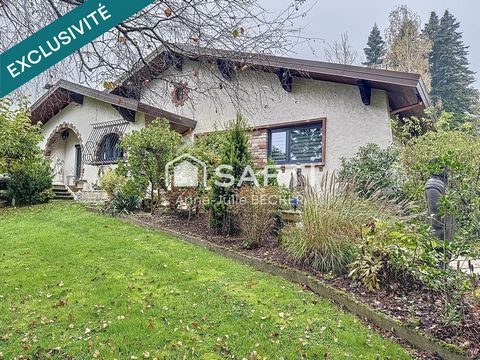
(416, 338)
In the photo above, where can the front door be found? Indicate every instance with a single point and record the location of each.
(78, 162)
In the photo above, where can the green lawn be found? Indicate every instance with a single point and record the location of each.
(79, 285)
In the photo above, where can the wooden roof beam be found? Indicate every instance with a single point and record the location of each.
(406, 108)
(365, 91)
(286, 79)
(75, 97)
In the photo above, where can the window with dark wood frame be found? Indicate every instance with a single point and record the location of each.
(297, 143)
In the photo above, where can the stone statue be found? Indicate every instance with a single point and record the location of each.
(435, 187)
(58, 170)
(298, 181)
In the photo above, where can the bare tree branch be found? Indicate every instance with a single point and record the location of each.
(341, 52)
(241, 26)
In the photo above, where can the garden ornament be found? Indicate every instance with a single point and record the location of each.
(294, 202)
(297, 181)
(435, 187)
(58, 169)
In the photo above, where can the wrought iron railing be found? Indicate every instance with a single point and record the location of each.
(93, 154)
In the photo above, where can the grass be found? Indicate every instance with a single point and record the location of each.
(79, 285)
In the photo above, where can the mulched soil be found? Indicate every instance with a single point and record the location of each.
(416, 306)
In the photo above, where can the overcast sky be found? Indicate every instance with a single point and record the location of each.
(330, 18)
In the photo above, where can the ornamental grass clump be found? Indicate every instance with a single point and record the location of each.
(331, 224)
(256, 210)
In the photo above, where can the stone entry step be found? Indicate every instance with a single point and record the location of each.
(61, 192)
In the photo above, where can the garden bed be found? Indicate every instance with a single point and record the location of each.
(416, 307)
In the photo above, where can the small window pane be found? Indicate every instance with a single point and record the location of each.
(306, 144)
(109, 148)
(279, 146)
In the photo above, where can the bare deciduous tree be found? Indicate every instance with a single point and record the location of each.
(341, 52)
(241, 26)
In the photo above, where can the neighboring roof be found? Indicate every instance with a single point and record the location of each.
(64, 92)
(407, 93)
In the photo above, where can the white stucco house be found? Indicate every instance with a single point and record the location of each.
(302, 113)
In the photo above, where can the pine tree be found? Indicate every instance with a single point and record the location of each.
(451, 77)
(431, 28)
(375, 50)
(236, 154)
(431, 31)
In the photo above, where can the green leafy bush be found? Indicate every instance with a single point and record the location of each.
(19, 138)
(405, 255)
(3, 187)
(127, 193)
(285, 196)
(111, 181)
(272, 172)
(371, 168)
(391, 253)
(123, 202)
(459, 151)
(207, 148)
(406, 129)
(256, 209)
(20, 156)
(29, 182)
(135, 187)
(149, 151)
(453, 146)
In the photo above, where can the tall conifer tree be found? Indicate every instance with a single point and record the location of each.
(431, 28)
(449, 67)
(375, 50)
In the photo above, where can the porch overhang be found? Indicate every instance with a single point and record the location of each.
(65, 92)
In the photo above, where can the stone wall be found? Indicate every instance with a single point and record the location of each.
(259, 147)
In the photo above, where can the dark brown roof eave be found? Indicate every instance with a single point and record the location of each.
(403, 88)
(54, 97)
(271, 61)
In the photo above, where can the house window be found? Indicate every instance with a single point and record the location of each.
(180, 94)
(109, 148)
(297, 144)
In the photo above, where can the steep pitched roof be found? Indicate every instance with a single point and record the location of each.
(407, 93)
(64, 92)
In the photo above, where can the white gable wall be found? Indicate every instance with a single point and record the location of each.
(82, 117)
